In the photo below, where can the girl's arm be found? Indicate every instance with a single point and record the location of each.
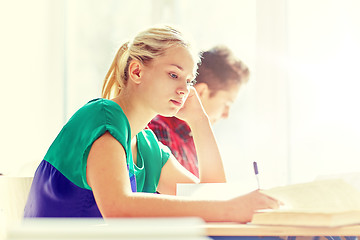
(173, 173)
(210, 164)
(211, 169)
(108, 177)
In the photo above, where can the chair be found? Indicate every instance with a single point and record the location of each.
(13, 195)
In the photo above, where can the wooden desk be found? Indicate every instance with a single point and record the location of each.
(235, 229)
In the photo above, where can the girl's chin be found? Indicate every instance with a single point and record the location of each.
(169, 113)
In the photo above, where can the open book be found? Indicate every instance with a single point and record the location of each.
(321, 203)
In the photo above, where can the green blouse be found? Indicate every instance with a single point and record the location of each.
(69, 151)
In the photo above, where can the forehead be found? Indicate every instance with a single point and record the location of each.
(178, 57)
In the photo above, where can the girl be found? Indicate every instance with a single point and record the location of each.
(104, 164)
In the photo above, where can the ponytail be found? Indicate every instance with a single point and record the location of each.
(117, 74)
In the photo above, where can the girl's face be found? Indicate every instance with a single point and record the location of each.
(166, 81)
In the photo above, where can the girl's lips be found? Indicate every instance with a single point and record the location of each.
(177, 103)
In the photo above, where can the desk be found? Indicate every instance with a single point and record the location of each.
(159, 228)
(236, 229)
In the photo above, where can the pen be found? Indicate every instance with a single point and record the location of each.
(256, 174)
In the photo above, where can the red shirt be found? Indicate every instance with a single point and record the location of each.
(176, 134)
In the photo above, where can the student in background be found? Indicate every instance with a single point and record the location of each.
(104, 164)
(220, 76)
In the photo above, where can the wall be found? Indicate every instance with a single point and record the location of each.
(297, 116)
(324, 50)
(31, 61)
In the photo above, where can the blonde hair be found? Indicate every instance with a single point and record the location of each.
(146, 46)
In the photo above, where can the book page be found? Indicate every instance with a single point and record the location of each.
(318, 196)
(219, 191)
(353, 178)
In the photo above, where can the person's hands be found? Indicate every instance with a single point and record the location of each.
(243, 207)
(192, 109)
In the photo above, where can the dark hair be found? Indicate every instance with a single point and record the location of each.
(219, 69)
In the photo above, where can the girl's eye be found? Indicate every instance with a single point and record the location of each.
(173, 75)
(191, 83)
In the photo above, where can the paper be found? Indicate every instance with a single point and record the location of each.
(319, 196)
(218, 191)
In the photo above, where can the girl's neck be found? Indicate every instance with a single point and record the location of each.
(137, 115)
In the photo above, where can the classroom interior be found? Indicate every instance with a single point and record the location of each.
(297, 117)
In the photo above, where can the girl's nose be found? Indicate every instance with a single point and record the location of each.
(183, 90)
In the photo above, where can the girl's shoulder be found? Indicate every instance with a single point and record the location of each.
(100, 109)
(97, 116)
(100, 104)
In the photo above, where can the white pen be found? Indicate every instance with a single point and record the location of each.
(256, 174)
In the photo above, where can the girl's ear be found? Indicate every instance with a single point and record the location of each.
(202, 89)
(135, 71)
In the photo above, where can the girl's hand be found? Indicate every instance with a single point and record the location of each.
(192, 109)
(244, 207)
